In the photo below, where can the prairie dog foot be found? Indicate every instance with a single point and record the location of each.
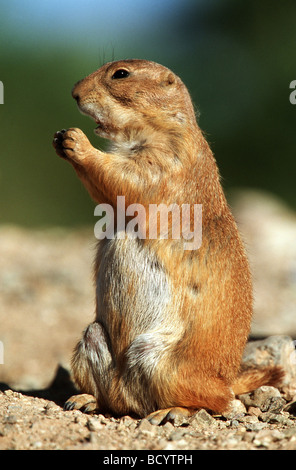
(83, 402)
(72, 144)
(175, 415)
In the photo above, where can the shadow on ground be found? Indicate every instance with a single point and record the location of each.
(60, 389)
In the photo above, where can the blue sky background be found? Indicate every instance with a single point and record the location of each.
(86, 21)
(112, 16)
(101, 29)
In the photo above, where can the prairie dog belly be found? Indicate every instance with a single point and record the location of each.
(133, 291)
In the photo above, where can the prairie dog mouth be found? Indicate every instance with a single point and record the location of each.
(101, 129)
(99, 124)
(88, 110)
(104, 127)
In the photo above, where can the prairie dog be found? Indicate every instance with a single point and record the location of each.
(171, 324)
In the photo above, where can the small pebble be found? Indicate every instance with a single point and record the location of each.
(146, 427)
(11, 419)
(176, 435)
(94, 425)
(258, 397)
(275, 418)
(202, 419)
(235, 408)
(254, 411)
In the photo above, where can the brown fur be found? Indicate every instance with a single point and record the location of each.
(185, 350)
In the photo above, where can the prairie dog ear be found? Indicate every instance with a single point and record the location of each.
(167, 79)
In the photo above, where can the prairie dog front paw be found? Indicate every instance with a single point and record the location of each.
(72, 144)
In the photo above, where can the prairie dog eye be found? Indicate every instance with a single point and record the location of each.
(120, 73)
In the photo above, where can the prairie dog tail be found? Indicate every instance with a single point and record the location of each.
(250, 379)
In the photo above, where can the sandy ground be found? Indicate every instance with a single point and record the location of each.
(47, 298)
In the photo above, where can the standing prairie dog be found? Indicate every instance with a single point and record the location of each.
(171, 324)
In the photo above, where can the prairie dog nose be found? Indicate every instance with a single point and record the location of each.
(75, 91)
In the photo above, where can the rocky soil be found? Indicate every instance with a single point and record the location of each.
(29, 423)
(47, 298)
(263, 419)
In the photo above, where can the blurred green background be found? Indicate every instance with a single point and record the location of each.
(236, 57)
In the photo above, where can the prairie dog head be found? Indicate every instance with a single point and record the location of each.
(130, 97)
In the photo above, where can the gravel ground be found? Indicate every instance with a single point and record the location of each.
(47, 298)
(30, 423)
